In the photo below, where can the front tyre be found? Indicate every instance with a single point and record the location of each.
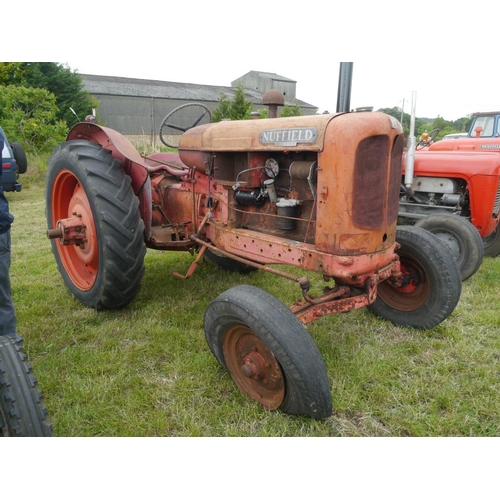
(492, 244)
(84, 180)
(22, 410)
(460, 236)
(430, 287)
(268, 352)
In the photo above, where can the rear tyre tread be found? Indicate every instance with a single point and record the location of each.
(22, 409)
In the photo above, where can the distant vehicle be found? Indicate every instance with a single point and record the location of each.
(483, 135)
(14, 162)
(455, 136)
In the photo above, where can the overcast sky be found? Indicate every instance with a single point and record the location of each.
(447, 54)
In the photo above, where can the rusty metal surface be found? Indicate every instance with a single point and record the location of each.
(253, 367)
(271, 249)
(69, 231)
(244, 135)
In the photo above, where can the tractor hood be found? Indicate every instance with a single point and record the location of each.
(293, 133)
(455, 163)
(467, 144)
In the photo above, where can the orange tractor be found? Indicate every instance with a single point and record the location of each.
(318, 193)
(456, 179)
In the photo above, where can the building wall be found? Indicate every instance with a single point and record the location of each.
(263, 83)
(140, 115)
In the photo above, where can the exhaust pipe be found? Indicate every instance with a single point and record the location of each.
(344, 89)
(410, 149)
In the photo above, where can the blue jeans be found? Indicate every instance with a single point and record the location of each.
(7, 311)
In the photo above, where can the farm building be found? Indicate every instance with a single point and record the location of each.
(136, 107)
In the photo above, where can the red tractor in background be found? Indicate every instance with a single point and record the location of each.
(483, 136)
(317, 193)
(456, 179)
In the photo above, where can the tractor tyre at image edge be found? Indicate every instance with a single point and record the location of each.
(492, 244)
(22, 410)
(268, 352)
(85, 181)
(431, 285)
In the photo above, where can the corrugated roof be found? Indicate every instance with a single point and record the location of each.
(134, 87)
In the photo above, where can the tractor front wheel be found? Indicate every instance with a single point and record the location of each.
(429, 288)
(461, 237)
(85, 182)
(492, 244)
(269, 354)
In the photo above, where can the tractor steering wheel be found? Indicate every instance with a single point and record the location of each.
(179, 124)
(430, 139)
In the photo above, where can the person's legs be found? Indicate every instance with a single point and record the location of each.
(7, 311)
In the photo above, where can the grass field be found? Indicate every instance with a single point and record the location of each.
(146, 370)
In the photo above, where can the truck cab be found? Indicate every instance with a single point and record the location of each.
(483, 135)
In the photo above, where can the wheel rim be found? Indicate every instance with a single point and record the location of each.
(80, 263)
(414, 291)
(253, 367)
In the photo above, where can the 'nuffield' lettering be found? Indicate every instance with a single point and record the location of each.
(291, 136)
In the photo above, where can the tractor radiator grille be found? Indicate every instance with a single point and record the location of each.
(370, 183)
(496, 206)
(395, 180)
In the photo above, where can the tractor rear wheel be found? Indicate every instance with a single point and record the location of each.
(84, 180)
(431, 283)
(492, 244)
(22, 410)
(461, 237)
(268, 352)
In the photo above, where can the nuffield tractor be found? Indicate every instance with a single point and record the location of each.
(317, 193)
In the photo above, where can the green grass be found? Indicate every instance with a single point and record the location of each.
(146, 370)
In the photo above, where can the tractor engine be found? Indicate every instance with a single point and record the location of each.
(433, 195)
(453, 182)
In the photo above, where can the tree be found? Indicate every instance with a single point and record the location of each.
(421, 124)
(11, 73)
(240, 107)
(60, 80)
(237, 109)
(292, 110)
(29, 116)
(223, 110)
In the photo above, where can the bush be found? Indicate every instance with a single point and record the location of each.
(28, 116)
